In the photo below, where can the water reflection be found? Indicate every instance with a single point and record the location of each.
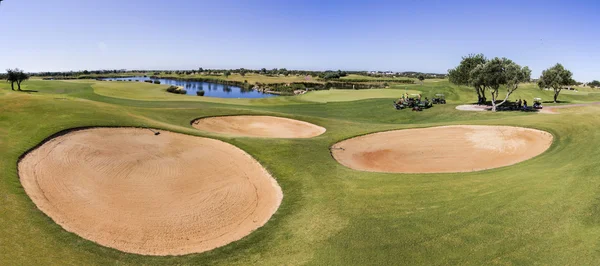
(210, 89)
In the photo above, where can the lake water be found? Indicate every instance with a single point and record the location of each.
(210, 89)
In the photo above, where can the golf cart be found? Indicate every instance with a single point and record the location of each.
(537, 103)
(439, 99)
(399, 105)
(425, 104)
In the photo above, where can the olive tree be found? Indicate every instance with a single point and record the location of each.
(556, 77)
(497, 73)
(461, 75)
(12, 76)
(21, 76)
(594, 83)
(421, 77)
(227, 73)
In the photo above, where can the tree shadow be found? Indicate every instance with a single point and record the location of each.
(27, 91)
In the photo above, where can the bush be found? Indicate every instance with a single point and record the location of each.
(172, 89)
(129, 80)
(200, 93)
(149, 81)
(157, 82)
(182, 91)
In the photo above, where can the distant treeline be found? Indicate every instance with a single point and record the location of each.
(328, 74)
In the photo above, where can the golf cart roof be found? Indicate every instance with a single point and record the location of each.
(537, 99)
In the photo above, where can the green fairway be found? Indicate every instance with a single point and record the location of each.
(545, 210)
(353, 95)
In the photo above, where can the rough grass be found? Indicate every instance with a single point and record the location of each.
(541, 211)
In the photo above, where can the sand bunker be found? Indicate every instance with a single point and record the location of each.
(473, 107)
(170, 194)
(258, 126)
(441, 149)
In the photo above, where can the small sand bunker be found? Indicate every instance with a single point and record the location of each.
(169, 194)
(258, 126)
(473, 107)
(441, 149)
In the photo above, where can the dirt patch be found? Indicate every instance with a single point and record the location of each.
(258, 126)
(473, 107)
(167, 194)
(441, 149)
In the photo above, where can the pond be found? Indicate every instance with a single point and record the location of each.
(210, 89)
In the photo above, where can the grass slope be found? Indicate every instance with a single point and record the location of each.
(544, 211)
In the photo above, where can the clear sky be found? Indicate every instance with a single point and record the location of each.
(417, 35)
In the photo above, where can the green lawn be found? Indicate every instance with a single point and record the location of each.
(352, 95)
(542, 211)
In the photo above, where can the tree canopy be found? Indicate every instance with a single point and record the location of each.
(556, 77)
(594, 83)
(16, 76)
(497, 73)
(461, 75)
(21, 76)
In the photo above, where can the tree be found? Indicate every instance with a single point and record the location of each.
(263, 70)
(421, 78)
(21, 76)
(12, 77)
(200, 70)
(461, 75)
(499, 72)
(226, 73)
(594, 83)
(556, 77)
(242, 72)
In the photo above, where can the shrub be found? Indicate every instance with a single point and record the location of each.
(129, 80)
(182, 91)
(157, 82)
(172, 89)
(149, 81)
(200, 93)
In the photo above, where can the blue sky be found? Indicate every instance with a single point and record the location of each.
(417, 35)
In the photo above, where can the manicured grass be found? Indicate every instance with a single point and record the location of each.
(541, 211)
(352, 95)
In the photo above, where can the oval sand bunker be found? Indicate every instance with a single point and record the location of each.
(441, 149)
(170, 194)
(258, 126)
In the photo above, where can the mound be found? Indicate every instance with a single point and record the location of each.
(258, 126)
(169, 194)
(441, 149)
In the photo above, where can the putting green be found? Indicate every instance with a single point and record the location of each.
(353, 95)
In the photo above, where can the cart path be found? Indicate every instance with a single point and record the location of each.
(546, 110)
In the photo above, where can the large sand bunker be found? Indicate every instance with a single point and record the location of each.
(441, 149)
(258, 126)
(169, 194)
